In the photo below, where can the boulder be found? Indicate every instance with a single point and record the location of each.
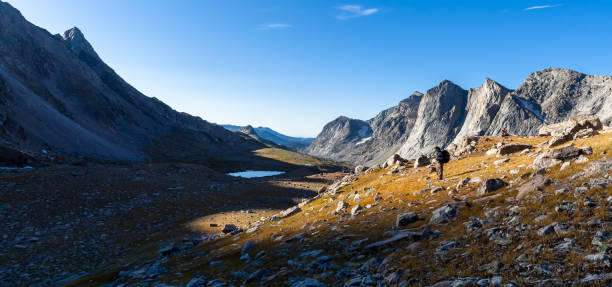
(443, 214)
(463, 183)
(229, 228)
(463, 146)
(556, 156)
(572, 126)
(490, 185)
(559, 129)
(575, 127)
(406, 218)
(599, 166)
(360, 169)
(588, 121)
(536, 183)
(290, 211)
(560, 139)
(548, 229)
(585, 133)
(356, 209)
(421, 161)
(341, 206)
(512, 148)
(396, 159)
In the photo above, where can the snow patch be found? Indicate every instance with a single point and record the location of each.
(364, 140)
(526, 104)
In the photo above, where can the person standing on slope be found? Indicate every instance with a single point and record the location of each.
(442, 157)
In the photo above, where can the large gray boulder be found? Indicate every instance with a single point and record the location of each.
(511, 148)
(421, 161)
(463, 145)
(539, 182)
(556, 156)
(443, 214)
(490, 185)
(406, 218)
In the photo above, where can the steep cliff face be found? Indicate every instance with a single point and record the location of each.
(337, 135)
(56, 93)
(440, 117)
(446, 113)
(386, 132)
(483, 104)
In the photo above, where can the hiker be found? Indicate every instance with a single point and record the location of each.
(504, 132)
(442, 157)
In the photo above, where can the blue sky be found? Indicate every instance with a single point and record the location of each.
(296, 65)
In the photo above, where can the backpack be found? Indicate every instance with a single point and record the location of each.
(445, 156)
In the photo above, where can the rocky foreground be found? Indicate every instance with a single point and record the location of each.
(510, 212)
(59, 223)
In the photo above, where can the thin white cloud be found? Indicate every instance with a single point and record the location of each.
(542, 7)
(354, 11)
(274, 26)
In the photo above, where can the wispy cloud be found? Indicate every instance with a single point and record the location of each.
(354, 11)
(542, 7)
(274, 26)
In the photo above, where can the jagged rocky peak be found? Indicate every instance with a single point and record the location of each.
(338, 134)
(248, 130)
(440, 117)
(562, 93)
(483, 105)
(76, 42)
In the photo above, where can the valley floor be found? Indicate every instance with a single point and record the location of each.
(401, 227)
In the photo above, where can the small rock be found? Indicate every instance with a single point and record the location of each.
(406, 218)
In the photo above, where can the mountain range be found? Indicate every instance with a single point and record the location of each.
(447, 112)
(293, 143)
(57, 95)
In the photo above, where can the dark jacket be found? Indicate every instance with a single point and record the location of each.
(439, 156)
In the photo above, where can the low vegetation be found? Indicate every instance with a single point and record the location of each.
(331, 246)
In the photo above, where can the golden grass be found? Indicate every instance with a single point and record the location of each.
(404, 192)
(291, 157)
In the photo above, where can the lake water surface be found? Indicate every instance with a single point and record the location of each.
(255, 173)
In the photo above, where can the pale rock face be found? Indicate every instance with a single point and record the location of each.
(367, 142)
(440, 117)
(483, 104)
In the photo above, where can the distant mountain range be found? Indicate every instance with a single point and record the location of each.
(447, 112)
(293, 143)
